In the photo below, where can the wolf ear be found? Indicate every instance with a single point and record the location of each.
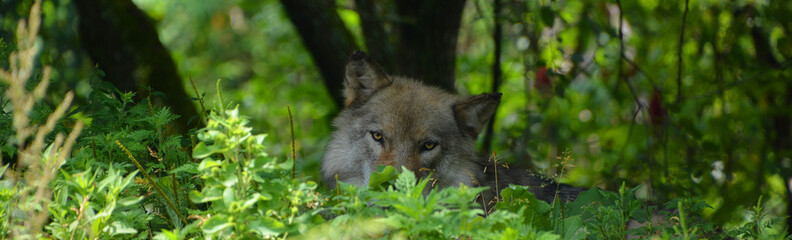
(473, 112)
(363, 77)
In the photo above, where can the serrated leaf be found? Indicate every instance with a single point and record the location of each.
(574, 228)
(406, 181)
(185, 168)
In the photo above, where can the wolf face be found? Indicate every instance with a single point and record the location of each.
(396, 121)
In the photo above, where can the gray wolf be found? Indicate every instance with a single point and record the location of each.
(397, 121)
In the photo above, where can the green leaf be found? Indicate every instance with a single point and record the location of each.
(267, 226)
(386, 174)
(191, 168)
(286, 164)
(207, 164)
(518, 199)
(583, 199)
(406, 181)
(216, 223)
(574, 228)
(118, 227)
(129, 201)
(228, 196)
(208, 195)
(251, 200)
(203, 151)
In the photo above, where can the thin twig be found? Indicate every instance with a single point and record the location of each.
(679, 55)
(80, 215)
(337, 187)
(152, 182)
(621, 53)
(200, 99)
(495, 164)
(293, 156)
(93, 147)
(621, 46)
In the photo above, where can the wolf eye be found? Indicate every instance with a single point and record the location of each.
(429, 145)
(377, 136)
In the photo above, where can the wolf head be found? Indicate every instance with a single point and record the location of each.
(397, 121)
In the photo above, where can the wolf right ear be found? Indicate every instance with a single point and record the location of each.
(363, 77)
(473, 112)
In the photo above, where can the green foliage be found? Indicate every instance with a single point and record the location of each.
(5, 50)
(405, 207)
(700, 157)
(262, 63)
(519, 200)
(141, 128)
(625, 112)
(7, 193)
(759, 226)
(243, 192)
(103, 210)
(251, 193)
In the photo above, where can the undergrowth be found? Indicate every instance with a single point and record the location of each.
(127, 177)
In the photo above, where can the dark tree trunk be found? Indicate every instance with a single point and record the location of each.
(122, 40)
(325, 36)
(414, 38)
(379, 44)
(428, 40)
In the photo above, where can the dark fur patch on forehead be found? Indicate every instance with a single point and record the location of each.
(416, 110)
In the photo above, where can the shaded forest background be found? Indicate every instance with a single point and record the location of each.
(686, 98)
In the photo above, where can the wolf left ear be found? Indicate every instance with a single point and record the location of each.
(363, 77)
(473, 112)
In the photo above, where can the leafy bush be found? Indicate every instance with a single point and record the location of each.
(86, 205)
(251, 194)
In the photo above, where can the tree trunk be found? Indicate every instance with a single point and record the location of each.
(325, 36)
(428, 40)
(413, 38)
(122, 40)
